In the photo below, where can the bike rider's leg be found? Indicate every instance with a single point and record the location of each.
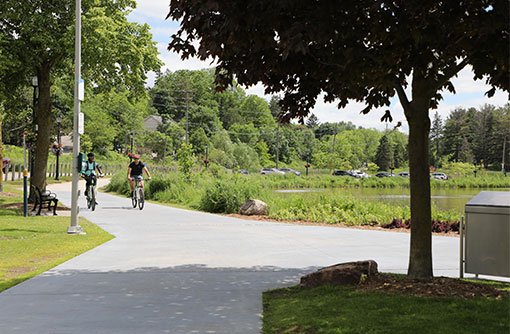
(132, 185)
(141, 184)
(87, 185)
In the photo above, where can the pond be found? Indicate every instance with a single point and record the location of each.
(446, 199)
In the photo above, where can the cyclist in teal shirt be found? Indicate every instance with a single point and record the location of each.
(89, 171)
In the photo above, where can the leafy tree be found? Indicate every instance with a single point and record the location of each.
(159, 143)
(245, 133)
(355, 50)
(275, 107)
(332, 128)
(176, 133)
(185, 160)
(43, 43)
(199, 141)
(255, 109)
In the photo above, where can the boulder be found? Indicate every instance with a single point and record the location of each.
(253, 207)
(349, 273)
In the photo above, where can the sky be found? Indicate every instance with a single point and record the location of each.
(470, 93)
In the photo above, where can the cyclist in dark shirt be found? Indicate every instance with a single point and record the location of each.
(136, 169)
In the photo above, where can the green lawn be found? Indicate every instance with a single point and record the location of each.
(32, 245)
(347, 310)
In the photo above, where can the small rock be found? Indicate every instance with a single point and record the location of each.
(348, 273)
(253, 207)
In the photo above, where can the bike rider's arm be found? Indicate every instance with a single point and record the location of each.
(147, 171)
(98, 167)
(129, 173)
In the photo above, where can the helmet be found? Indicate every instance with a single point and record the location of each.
(136, 156)
(90, 155)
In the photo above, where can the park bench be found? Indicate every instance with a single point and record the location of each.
(43, 198)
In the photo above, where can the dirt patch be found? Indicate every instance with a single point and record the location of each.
(30, 207)
(6, 194)
(339, 225)
(18, 271)
(436, 287)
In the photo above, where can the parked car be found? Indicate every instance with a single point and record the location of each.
(244, 171)
(289, 170)
(359, 174)
(342, 173)
(403, 174)
(439, 176)
(384, 174)
(267, 171)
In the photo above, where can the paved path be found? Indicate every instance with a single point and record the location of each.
(177, 271)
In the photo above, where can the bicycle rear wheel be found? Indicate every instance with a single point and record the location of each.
(141, 198)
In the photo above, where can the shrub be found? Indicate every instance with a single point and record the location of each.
(226, 196)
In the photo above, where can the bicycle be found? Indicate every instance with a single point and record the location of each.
(138, 196)
(91, 194)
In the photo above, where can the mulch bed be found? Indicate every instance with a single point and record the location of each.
(19, 206)
(437, 287)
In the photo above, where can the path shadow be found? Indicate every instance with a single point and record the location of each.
(182, 299)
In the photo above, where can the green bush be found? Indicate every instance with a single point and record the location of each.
(226, 196)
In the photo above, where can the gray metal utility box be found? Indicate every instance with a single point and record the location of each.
(488, 234)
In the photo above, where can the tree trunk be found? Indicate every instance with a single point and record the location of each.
(420, 259)
(1, 149)
(43, 120)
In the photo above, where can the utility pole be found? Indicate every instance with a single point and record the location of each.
(277, 144)
(75, 228)
(504, 154)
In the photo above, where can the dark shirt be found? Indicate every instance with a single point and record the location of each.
(136, 170)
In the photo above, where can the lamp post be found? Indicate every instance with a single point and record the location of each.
(206, 161)
(25, 176)
(58, 151)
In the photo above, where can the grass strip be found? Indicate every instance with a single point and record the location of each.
(30, 246)
(340, 309)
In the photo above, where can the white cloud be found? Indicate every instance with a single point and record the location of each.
(155, 9)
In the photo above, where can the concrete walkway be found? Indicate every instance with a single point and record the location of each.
(177, 271)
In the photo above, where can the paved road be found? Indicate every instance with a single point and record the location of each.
(177, 271)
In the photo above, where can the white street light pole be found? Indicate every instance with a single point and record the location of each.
(75, 228)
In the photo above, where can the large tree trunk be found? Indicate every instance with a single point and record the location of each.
(420, 259)
(43, 120)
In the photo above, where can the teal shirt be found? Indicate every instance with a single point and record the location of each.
(89, 168)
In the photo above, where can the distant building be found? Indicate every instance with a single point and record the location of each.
(152, 123)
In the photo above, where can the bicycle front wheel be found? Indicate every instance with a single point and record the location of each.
(133, 199)
(92, 198)
(141, 199)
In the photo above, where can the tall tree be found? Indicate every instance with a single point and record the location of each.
(40, 35)
(361, 50)
(312, 122)
(384, 156)
(436, 134)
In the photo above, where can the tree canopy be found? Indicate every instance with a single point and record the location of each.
(38, 39)
(367, 51)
